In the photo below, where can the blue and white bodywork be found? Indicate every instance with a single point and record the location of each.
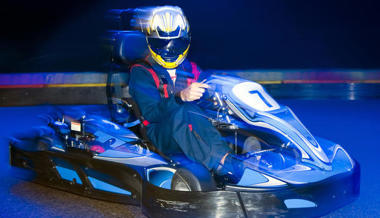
(287, 171)
(305, 158)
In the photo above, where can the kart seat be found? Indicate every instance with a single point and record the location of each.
(128, 47)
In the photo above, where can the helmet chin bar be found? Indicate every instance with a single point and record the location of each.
(169, 65)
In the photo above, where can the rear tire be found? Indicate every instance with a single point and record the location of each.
(193, 177)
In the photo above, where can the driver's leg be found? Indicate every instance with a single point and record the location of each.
(189, 131)
(196, 136)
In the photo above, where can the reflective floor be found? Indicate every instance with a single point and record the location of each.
(353, 124)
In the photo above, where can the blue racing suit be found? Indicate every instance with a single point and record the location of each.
(172, 125)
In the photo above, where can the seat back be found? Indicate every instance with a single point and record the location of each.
(128, 47)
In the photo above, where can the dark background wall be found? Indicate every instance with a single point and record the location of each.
(67, 35)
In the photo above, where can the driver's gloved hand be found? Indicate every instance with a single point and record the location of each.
(193, 92)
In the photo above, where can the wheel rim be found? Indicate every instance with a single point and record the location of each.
(182, 186)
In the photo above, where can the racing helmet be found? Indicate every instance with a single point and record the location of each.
(168, 36)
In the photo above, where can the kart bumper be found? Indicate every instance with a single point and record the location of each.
(313, 199)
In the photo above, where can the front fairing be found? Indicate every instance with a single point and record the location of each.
(304, 158)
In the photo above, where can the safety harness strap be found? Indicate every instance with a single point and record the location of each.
(151, 71)
(195, 72)
(160, 84)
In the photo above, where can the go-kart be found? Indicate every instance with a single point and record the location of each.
(287, 171)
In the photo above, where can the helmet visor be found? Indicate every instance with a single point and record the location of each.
(169, 49)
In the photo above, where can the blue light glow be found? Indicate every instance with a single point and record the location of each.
(251, 177)
(97, 184)
(161, 178)
(299, 203)
(68, 174)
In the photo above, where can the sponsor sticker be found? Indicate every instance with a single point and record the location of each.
(75, 126)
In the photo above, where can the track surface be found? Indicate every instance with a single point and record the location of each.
(353, 124)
